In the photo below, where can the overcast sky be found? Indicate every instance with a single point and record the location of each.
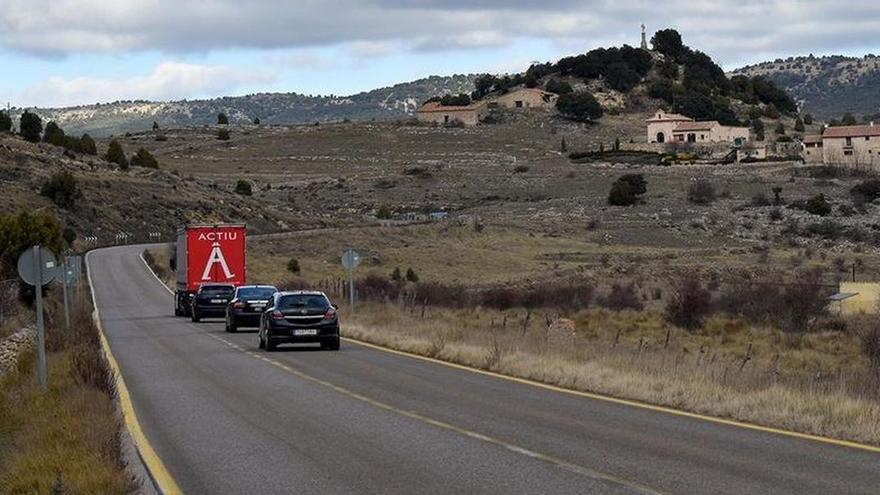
(67, 52)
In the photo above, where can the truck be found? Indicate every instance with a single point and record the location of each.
(207, 254)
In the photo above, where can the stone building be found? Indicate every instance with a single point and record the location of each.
(672, 127)
(527, 98)
(812, 151)
(856, 146)
(435, 113)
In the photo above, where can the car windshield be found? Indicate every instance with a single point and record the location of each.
(303, 301)
(217, 290)
(256, 292)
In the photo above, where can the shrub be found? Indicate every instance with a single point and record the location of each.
(155, 126)
(377, 287)
(5, 122)
(460, 100)
(701, 192)
(622, 194)
(520, 169)
(19, 232)
(799, 125)
(689, 303)
(161, 137)
(804, 301)
(818, 205)
(256, 121)
(87, 145)
(637, 182)
(115, 154)
(223, 135)
(558, 87)
(293, 266)
(775, 215)
(866, 191)
(53, 134)
(222, 119)
(411, 275)
(62, 190)
(808, 119)
(870, 339)
(623, 297)
(383, 211)
(144, 158)
(581, 107)
(760, 199)
(396, 275)
(244, 187)
(30, 125)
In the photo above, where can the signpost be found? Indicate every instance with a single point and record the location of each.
(350, 261)
(37, 267)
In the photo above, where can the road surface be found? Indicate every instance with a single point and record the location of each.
(228, 418)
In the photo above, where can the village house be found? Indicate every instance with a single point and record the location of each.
(527, 98)
(672, 127)
(435, 113)
(855, 146)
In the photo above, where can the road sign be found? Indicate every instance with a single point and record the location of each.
(350, 259)
(39, 270)
(37, 267)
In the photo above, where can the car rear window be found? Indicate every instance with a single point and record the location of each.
(216, 290)
(256, 292)
(302, 301)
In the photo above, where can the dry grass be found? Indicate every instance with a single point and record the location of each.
(818, 384)
(68, 438)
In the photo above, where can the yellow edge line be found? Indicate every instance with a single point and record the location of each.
(625, 402)
(158, 472)
(605, 398)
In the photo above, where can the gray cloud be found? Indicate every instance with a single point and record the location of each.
(734, 31)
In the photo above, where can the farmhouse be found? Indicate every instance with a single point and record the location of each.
(813, 150)
(856, 146)
(672, 127)
(527, 98)
(469, 115)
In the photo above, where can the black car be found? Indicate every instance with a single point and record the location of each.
(211, 300)
(300, 317)
(247, 305)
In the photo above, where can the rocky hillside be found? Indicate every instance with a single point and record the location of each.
(827, 87)
(398, 101)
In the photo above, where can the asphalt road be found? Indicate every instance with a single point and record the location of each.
(228, 418)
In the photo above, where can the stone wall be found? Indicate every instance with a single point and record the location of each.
(11, 347)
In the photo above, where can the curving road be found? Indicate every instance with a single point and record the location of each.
(227, 418)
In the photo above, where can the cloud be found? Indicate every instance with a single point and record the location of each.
(167, 81)
(731, 30)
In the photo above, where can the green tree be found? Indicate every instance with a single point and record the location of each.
(256, 121)
(484, 85)
(808, 119)
(581, 107)
(26, 229)
(115, 154)
(621, 194)
(848, 119)
(61, 189)
(223, 135)
(144, 158)
(30, 125)
(637, 182)
(244, 187)
(293, 266)
(87, 145)
(818, 205)
(799, 125)
(758, 127)
(780, 129)
(558, 87)
(53, 134)
(383, 211)
(155, 126)
(668, 42)
(411, 275)
(222, 119)
(396, 275)
(5, 122)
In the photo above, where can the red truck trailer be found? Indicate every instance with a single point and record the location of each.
(208, 254)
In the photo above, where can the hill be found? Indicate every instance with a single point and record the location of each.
(827, 87)
(394, 102)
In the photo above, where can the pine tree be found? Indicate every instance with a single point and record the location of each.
(222, 119)
(5, 122)
(144, 158)
(799, 125)
(30, 126)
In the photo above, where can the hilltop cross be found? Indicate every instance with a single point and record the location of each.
(644, 39)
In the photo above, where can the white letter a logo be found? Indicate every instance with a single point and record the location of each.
(216, 257)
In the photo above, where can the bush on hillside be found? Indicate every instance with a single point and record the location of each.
(26, 229)
(53, 134)
(818, 205)
(558, 87)
(144, 158)
(87, 145)
(244, 187)
(222, 119)
(5, 122)
(690, 302)
(293, 266)
(866, 191)
(62, 190)
(115, 154)
(701, 192)
(223, 135)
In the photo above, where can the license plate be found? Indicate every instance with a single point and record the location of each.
(258, 306)
(307, 331)
(218, 301)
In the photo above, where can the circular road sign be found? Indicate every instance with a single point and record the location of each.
(48, 268)
(350, 259)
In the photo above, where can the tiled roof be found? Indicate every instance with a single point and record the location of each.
(812, 139)
(435, 106)
(668, 116)
(695, 126)
(851, 131)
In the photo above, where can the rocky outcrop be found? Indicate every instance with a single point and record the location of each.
(11, 347)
